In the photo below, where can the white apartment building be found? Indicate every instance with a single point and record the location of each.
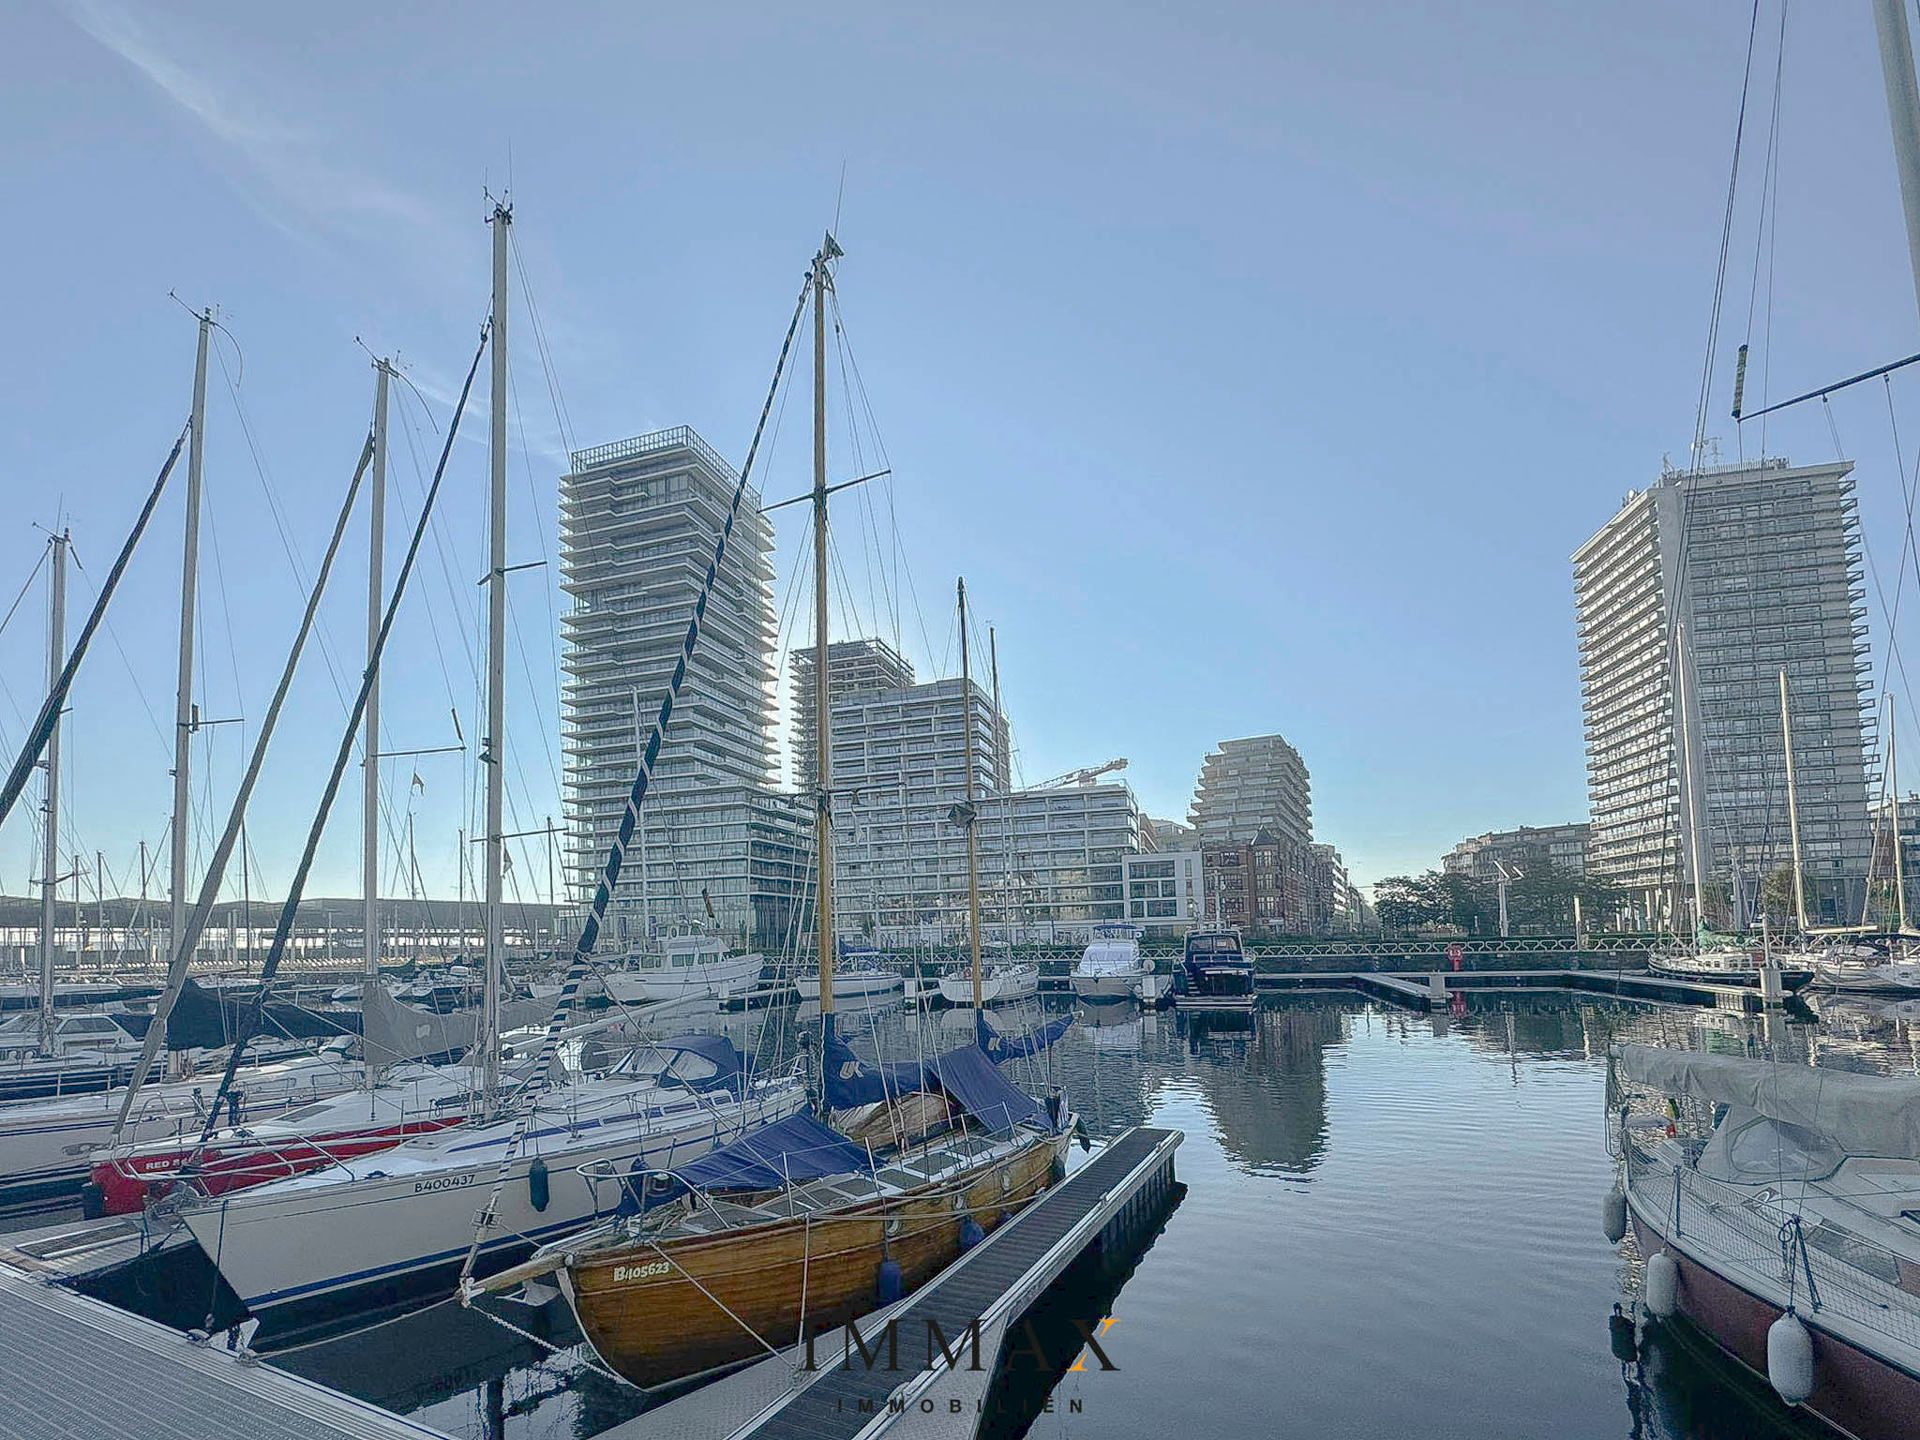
(1744, 569)
(1165, 890)
(638, 523)
(1246, 786)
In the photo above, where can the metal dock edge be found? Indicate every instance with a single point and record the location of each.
(72, 1366)
(994, 1283)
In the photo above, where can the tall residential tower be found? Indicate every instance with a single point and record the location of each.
(1723, 576)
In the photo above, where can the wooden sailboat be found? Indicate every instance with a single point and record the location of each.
(797, 1227)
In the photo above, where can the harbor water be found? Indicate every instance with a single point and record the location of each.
(1391, 1226)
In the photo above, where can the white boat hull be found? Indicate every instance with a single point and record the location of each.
(1001, 987)
(47, 1146)
(712, 980)
(390, 1225)
(1123, 985)
(850, 987)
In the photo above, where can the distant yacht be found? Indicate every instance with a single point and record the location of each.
(1214, 974)
(685, 966)
(1111, 967)
(858, 974)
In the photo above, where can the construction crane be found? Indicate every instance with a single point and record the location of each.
(1082, 777)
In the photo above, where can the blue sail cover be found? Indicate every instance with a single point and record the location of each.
(798, 1148)
(730, 1067)
(966, 1074)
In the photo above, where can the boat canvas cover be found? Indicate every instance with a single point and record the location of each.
(202, 1019)
(796, 1149)
(396, 1032)
(1007, 1047)
(965, 1074)
(1875, 1115)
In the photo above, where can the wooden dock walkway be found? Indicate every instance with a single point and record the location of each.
(991, 1285)
(74, 1369)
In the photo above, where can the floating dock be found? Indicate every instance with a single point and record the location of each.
(1437, 988)
(75, 1367)
(992, 1285)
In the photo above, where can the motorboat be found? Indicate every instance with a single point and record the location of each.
(1111, 967)
(1214, 973)
(684, 967)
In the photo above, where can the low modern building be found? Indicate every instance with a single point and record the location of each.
(1480, 856)
(1166, 890)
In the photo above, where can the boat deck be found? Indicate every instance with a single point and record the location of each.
(993, 1284)
(72, 1368)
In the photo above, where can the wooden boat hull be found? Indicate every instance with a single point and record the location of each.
(1859, 1394)
(649, 1320)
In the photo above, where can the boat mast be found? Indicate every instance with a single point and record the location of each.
(1006, 835)
(1893, 777)
(183, 717)
(50, 849)
(1903, 115)
(1691, 811)
(1793, 810)
(640, 829)
(494, 750)
(822, 708)
(973, 839)
(370, 741)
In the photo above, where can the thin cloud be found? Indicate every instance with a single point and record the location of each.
(293, 180)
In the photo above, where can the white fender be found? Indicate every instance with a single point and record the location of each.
(1663, 1285)
(1613, 1215)
(1790, 1359)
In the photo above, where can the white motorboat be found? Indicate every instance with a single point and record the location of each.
(84, 1052)
(398, 1224)
(1110, 968)
(685, 966)
(1002, 983)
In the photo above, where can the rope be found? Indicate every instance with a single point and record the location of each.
(42, 727)
(642, 781)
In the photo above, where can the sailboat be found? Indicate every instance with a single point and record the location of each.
(400, 1223)
(798, 1226)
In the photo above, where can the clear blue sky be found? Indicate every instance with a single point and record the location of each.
(1260, 365)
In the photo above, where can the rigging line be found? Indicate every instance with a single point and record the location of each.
(31, 575)
(1773, 224)
(433, 627)
(1911, 491)
(153, 718)
(214, 877)
(636, 796)
(549, 575)
(562, 417)
(273, 508)
(297, 886)
(42, 727)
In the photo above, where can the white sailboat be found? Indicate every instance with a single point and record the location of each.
(402, 1222)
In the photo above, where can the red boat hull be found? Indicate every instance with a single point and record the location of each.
(1856, 1393)
(128, 1183)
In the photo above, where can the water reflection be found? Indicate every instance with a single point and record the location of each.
(1390, 1227)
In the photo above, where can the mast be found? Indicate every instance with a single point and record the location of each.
(50, 850)
(183, 717)
(640, 829)
(1793, 810)
(1903, 115)
(494, 751)
(1893, 775)
(1000, 763)
(973, 839)
(370, 742)
(823, 747)
(1692, 810)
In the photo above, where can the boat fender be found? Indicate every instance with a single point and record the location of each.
(1663, 1285)
(1790, 1359)
(539, 1186)
(1613, 1215)
(93, 1201)
(970, 1233)
(889, 1284)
